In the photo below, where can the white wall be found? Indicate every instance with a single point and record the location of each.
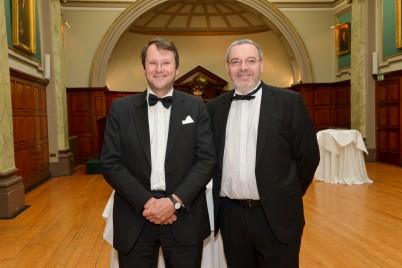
(126, 73)
(81, 41)
(319, 39)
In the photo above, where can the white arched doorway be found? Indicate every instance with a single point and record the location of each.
(295, 48)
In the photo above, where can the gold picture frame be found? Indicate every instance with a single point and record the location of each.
(342, 37)
(23, 25)
(398, 24)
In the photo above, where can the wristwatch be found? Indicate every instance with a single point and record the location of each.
(176, 203)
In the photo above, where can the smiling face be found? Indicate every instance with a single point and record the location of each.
(245, 67)
(160, 70)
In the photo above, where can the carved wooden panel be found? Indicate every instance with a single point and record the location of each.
(202, 83)
(388, 119)
(393, 91)
(308, 96)
(342, 117)
(29, 112)
(382, 116)
(98, 111)
(381, 93)
(394, 141)
(323, 97)
(322, 118)
(112, 95)
(382, 143)
(327, 103)
(80, 124)
(393, 115)
(84, 107)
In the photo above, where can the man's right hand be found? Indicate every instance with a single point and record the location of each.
(160, 211)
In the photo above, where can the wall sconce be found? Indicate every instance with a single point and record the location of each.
(66, 23)
(299, 81)
(334, 26)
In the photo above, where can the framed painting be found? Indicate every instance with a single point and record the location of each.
(342, 38)
(398, 23)
(23, 25)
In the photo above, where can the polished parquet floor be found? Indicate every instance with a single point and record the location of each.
(347, 226)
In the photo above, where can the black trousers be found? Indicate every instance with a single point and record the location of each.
(145, 252)
(248, 240)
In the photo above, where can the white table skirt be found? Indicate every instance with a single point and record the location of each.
(213, 255)
(341, 157)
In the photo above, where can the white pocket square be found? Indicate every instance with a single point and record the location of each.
(188, 120)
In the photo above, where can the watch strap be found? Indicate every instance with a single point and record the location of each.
(175, 202)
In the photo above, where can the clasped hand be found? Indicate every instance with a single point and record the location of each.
(160, 211)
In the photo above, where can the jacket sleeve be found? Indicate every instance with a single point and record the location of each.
(114, 166)
(304, 143)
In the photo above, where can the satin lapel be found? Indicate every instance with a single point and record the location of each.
(267, 108)
(140, 117)
(220, 125)
(178, 113)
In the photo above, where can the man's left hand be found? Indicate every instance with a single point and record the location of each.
(160, 210)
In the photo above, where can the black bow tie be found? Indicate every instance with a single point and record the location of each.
(166, 101)
(249, 96)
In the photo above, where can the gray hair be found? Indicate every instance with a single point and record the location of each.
(242, 42)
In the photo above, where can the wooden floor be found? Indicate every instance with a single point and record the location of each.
(347, 226)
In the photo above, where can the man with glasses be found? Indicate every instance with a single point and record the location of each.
(158, 156)
(267, 154)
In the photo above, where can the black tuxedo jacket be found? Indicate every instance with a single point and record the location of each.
(189, 163)
(287, 157)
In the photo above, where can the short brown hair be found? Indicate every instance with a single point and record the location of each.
(161, 44)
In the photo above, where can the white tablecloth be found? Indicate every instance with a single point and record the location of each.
(213, 255)
(341, 157)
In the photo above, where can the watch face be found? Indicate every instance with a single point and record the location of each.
(177, 205)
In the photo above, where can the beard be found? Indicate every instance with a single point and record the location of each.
(245, 84)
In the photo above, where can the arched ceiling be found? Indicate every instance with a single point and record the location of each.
(276, 20)
(278, 3)
(199, 17)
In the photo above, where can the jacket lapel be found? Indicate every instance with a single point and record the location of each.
(140, 117)
(264, 124)
(221, 126)
(178, 113)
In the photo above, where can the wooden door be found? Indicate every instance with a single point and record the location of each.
(388, 101)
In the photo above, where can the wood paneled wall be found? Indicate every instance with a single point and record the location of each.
(389, 118)
(86, 106)
(29, 112)
(328, 104)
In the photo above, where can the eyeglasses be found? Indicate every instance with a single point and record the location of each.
(238, 62)
(164, 64)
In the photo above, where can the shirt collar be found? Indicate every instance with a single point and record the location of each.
(258, 85)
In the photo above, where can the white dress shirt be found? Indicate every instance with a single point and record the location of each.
(238, 175)
(158, 118)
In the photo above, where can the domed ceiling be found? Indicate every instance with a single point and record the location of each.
(200, 17)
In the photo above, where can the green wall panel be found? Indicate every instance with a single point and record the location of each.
(389, 27)
(7, 10)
